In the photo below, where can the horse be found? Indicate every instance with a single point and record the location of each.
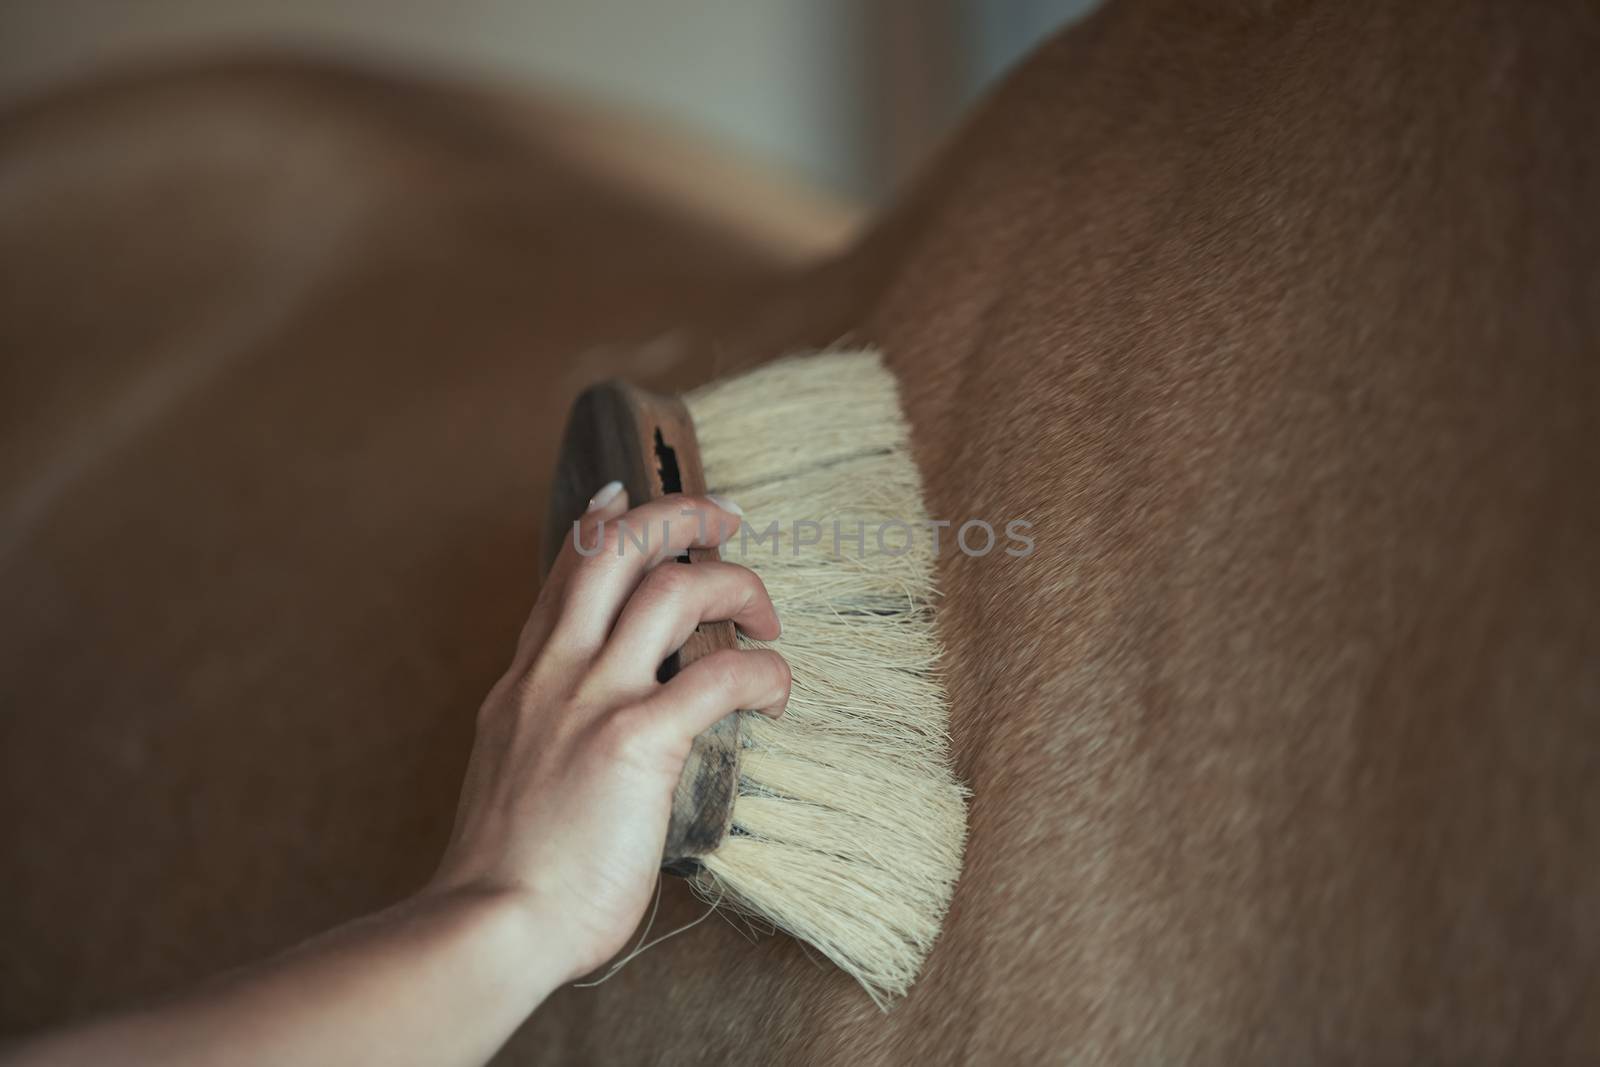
(1277, 320)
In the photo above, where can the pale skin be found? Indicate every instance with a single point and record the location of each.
(557, 839)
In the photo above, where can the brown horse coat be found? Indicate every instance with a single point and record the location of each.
(1278, 320)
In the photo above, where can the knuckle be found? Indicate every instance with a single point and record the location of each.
(493, 708)
(725, 669)
(625, 733)
(755, 588)
(670, 581)
(610, 537)
(598, 550)
(582, 536)
(697, 504)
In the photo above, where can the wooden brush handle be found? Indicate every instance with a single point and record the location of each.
(646, 441)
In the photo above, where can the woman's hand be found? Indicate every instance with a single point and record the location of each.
(569, 787)
(557, 839)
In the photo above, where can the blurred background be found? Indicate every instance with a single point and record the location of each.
(845, 96)
(285, 351)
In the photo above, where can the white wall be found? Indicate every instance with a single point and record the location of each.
(782, 79)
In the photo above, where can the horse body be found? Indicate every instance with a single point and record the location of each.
(1277, 322)
(287, 354)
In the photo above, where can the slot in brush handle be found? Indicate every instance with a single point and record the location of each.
(646, 440)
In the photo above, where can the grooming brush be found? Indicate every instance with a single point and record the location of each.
(840, 823)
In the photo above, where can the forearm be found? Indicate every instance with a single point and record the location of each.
(440, 979)
(569, 787)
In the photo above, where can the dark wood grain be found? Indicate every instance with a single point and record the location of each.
(647, 441)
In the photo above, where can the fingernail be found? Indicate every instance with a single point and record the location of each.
(725, 504)
(606, 495)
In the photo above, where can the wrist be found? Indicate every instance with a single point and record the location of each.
(523, 947)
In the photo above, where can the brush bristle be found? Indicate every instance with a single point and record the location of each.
(849, 825)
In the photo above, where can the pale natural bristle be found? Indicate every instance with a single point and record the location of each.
(849, 825)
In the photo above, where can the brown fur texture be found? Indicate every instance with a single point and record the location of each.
(286, 356)
(1280, 323)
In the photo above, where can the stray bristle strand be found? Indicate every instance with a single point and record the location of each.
(849, 826)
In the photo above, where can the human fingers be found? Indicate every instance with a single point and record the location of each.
(604, 570)
(669, 603)
(746, 679)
